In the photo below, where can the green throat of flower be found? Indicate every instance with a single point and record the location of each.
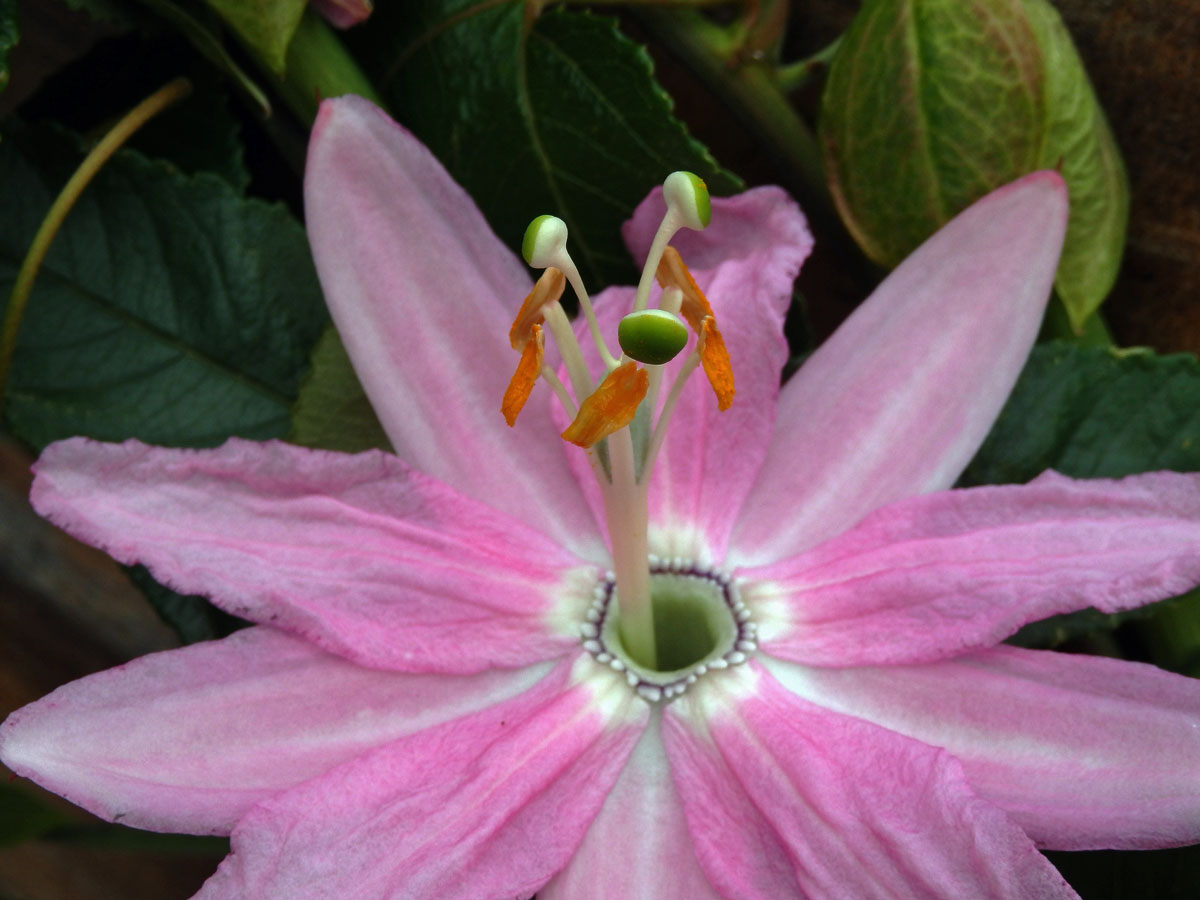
(701, 626)
(619, 419)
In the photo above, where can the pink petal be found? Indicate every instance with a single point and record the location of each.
(788, 800)
(932, 576)
(639, 845)
(343, 13)
(491, 805)
(190, 739)
(359, 554)
(1081, 752)
(899, 399)
(423, 295)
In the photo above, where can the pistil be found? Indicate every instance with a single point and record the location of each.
(627, 391)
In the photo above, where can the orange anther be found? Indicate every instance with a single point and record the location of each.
(548, 289)
(673, 273)
(528, 368)
(610, 407)
(715, 360)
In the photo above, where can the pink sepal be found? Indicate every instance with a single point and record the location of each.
(190, 739)
(639, 845)
(491, 805)
(360, 554)
(1081, 752)
(896, 402)
(789, 801)
(929, 577)
(423, 294)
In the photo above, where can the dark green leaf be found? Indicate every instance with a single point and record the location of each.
(24, 816)
(193, 618)
(8, 36)
(930, 104)
(554, 114)
(333, 412)
(118, 12)
(1092, 413)
(1170, 874)
(169, 308)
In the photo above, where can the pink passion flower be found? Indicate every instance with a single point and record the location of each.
(438, 700)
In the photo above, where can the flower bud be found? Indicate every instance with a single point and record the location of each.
(687, 194)
(545, 238)
(884, 97)
(652, 336)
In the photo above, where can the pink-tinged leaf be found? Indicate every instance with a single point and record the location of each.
(488, 806)
(359, 554)
(930, 577)
(788, 800)
(639, 845)
(1081, 752)
(343, 13)
(896, 402)
(423, 294)
(190, 739)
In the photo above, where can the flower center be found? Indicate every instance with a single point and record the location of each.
(701, 626)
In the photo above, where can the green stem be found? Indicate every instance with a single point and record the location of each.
(208, 45)
(318, 67)
(749, 86)
(92, 163)
(796, 75)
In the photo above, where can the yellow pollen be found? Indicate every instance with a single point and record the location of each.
(610, 407)
(521, 385)
(715, 360)
(549, 289)
(673, 273)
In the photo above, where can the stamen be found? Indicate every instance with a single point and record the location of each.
(548, 289)
(694, 306)
(551, 378)
(715, 359)
(521, 385)
(610, 407)
(672, 272)
(545, 244)
(688, 206)
(664, 419)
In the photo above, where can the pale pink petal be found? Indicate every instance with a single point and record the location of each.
(745, 262)
(789, 800)
(899, 399)
(488, 806)
(423, 295)
(1081, 752)
(190, 739)
(711, 458)
(343, 13)
(639, 846)
(762, 226)
(359, 554)
(929, 577)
